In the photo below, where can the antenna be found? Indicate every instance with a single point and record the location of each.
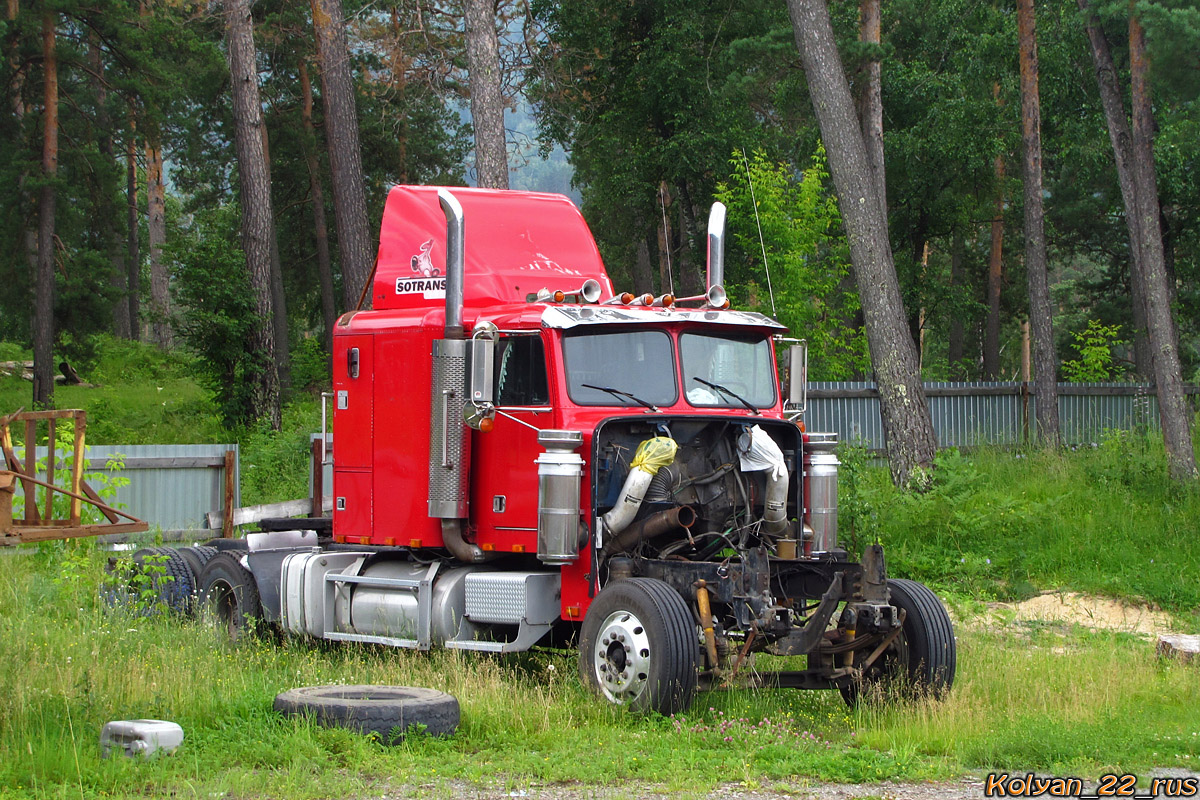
(761, 243)
(662, 201)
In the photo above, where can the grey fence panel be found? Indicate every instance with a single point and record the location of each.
(854, 419)
(974, 414)
(171, 486)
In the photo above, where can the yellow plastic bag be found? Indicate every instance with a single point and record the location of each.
(654, 454)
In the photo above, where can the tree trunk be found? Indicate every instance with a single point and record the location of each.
(345, 155)
(954, 347)
(692, 275)
(1040, 312)
(43, 314)
(105, 207)
(643, 275)
(25, 203)
(1121, 139)
(279, 319)
(317, 191)
(995, 281)
(1172, 404)
(871, 100)
(399, 67)
(257, 220)
(666, 281)
(908, 431)
(156, 225)
(133, 241)
(487, 103)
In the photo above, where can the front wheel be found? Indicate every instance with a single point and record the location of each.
(922, 659)
(639, 647)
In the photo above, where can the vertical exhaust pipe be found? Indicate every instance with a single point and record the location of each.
(449, 446)
(455, 258)
(715, 288)
(716, 246)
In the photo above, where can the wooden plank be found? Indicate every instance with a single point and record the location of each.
(77, 466)
(90, 494)
(61, 413)
(160, 462)
(51, 422)
(249, 514)
(31, 509)
(20, 534)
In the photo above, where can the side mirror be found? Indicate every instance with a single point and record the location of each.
(483, 356)
(798, 376)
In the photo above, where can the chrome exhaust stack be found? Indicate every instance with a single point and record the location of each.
(715, 285)
(449, 446)
(455, 260)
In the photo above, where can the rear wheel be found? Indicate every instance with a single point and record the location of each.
(639, 647)
(162, 575)
(230, 595)
(921, 661)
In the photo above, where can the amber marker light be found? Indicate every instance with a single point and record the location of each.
(486, 424)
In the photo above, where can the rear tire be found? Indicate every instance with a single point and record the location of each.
(196, 557)
(230, 595)
(639, 647)
(922, 660)
(166, 574)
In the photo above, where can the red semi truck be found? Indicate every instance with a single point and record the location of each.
(524, 455)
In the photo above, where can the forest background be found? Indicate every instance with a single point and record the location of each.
(127, 192)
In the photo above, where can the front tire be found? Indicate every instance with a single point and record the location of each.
(639, 647)
(922, 660)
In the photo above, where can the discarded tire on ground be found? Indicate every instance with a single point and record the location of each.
(388, 711)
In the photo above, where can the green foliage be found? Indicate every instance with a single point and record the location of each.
(310, 365)
(74, 663)
(994, 525)
(216, 310)
(806, 253)
(1095, 362)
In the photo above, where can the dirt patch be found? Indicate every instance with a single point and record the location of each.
(795, 789)
(1089, 611)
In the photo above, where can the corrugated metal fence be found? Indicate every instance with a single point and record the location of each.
(971, 414)
(171, 486)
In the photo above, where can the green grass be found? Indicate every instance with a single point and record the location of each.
(999, 525)
(1054, 700)
(995, 525)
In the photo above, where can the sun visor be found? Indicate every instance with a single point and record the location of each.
(516, 243)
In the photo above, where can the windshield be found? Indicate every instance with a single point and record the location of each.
(620, 369)
(727, 371)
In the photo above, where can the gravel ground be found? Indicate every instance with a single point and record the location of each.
(800, 789)
(967, 788)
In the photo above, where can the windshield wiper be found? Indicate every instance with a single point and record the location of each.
(620, 393)
(726, 391)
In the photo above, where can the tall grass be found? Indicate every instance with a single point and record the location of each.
(999, 525)
(1027, 698)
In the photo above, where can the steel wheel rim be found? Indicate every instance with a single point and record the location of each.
(622, 657)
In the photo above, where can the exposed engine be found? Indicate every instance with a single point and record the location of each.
(729, 487)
